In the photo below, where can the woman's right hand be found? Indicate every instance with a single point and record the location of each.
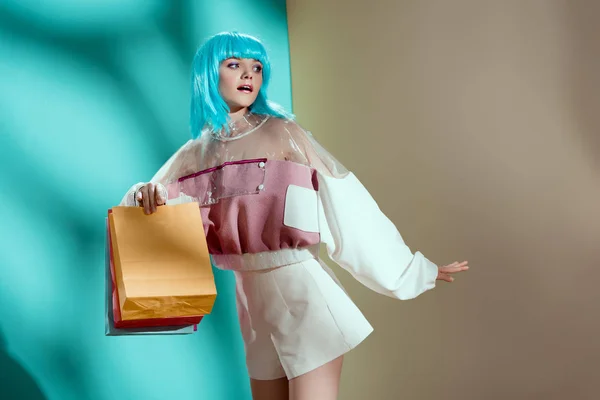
(150, 197)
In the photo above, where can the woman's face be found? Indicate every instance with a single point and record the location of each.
(240, 80)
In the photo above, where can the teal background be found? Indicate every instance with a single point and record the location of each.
(94, 98)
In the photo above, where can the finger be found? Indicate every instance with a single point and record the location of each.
(452, 270)
(160, 199)
(146, 201)
(444, 277)
(458, 267)
(152, 197)
(138, 197)
(457, 264)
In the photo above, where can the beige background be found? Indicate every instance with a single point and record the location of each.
(476, 126)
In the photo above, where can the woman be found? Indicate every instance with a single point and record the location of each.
(269, 194)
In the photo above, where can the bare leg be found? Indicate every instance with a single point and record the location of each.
(276, 389)
(322, 383)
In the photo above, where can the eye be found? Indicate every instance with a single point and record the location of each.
(258, 68)
(233, 65)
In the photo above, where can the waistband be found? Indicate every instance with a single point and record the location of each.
(265, 260)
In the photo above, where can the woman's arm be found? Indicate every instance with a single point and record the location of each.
(359, 236)
(154, 192)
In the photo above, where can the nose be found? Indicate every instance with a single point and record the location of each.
(246, 73)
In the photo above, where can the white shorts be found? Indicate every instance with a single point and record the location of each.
(295, 318)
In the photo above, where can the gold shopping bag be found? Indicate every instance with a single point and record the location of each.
(162, 264)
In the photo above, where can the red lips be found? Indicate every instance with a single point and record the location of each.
(247, 88)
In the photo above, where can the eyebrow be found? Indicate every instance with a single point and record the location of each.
(237, 58)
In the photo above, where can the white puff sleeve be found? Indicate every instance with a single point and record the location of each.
(359, 236)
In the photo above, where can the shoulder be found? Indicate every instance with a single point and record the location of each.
(289, 125)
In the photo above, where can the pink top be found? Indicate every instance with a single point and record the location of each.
(243, 205)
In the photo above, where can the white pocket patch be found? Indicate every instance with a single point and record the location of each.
(301, 209)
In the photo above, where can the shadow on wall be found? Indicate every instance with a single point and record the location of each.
(582, 19)
(98, 48)
(15, 382)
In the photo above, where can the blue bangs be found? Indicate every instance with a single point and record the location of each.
(208, 109)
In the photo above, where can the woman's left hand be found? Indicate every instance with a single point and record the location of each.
(445, 272)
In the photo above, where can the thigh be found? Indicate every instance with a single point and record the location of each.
(321, 383)
(276, 389)
(262, 359)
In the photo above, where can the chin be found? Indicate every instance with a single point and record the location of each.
(241, 103)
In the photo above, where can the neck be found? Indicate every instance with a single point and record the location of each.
(236, 115)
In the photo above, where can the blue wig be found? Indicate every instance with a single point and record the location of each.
(208, 109)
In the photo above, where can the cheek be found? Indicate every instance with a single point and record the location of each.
(258, 80)
(227, 82)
